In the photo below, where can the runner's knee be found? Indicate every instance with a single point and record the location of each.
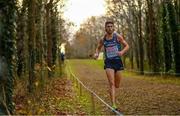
(117, 85)
(112, 84)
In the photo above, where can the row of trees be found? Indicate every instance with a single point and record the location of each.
(151, 27)
(86, 37)
(30, 33)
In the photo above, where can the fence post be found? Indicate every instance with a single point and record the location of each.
(76, 83)
(80, 89)
(93, 104)
(73, 78)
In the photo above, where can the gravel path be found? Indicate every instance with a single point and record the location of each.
(135, 96)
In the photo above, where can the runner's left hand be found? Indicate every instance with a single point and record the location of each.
(120, 53)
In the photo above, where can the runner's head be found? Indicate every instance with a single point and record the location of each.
(109, 26)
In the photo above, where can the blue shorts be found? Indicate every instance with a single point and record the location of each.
(115, 64)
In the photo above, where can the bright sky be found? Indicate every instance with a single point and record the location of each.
(79, 10)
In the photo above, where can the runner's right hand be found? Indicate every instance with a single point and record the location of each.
(96, 55)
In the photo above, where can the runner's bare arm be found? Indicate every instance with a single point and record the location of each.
(124, 43)
(98, 49)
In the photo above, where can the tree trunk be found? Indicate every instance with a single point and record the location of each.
(20, 42)
(141, 49)
(175, 36)
(152, 37)
(49, 37)
(31, 41)
(7, 42)
(137, 44)
(167, 41)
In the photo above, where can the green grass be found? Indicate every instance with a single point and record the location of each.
(128, 64)
(91, 62)
(95, 63)
(84, 99)
(66, 105)
(154, 78)
(80, 102)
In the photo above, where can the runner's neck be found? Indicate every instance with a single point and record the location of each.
(109, 36)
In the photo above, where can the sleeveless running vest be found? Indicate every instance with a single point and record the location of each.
(111, 47)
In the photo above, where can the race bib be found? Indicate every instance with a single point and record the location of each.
(111, 51)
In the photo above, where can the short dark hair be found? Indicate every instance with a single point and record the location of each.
(109, 22)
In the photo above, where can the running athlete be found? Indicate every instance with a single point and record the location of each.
(113, 65)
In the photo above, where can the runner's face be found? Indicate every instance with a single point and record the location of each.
(109, 28)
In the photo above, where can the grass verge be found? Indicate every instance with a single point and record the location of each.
(84, 96)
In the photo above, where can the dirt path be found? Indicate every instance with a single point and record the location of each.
(136, 96)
